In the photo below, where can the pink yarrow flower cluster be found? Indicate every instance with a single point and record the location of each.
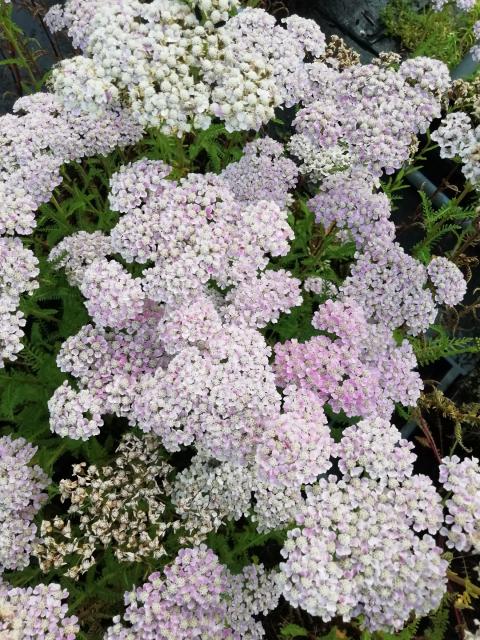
(374, 112)
(37, 612)
(355, 366)
(462, 479)
(37, 139)
(22, 493)
(360, 546)
(161, 337)
(197, 597)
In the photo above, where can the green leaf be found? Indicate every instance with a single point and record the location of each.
(293, 631)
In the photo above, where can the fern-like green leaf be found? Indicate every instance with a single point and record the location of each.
(428, 351)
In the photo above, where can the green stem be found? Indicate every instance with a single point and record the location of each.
(467, 189)
(58, 219)
(17, 47)
(87, 181)
(466, 584)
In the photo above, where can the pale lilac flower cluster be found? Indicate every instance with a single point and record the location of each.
(195, 231)
(18, 272)
(34, 143)
(198, 598)
(113, 297)
(22, 494)
(42, 133)
(216, 396)
(191, 323)
(35, 613)
(135, 183)
(359, 369)
(374, 112)
(391, 286)
(76, 414)
(11, 332)
(108, 365)
(428, 74)
(77, 252)
(263, 173)
(463, 5)
(366, 216)
(294, 450)
(454, 135)
(257, 302)
(238, 71)
(19, 269)
(375, 447)
(448, 280)
(275, 507)
(462, 479)
(355, 550)
(458, 137)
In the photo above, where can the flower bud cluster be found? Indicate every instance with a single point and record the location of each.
(22, 494)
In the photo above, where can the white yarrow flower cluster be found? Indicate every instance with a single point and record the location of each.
(234, 67)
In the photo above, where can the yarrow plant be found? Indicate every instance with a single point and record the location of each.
(221, 330)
